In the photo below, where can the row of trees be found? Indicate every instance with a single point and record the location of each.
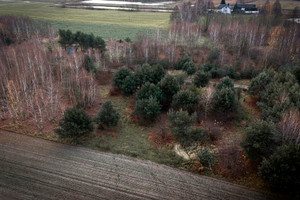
(85, 41)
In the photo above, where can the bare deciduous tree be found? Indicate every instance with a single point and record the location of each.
(289, 127)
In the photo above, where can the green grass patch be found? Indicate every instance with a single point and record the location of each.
(103, 30)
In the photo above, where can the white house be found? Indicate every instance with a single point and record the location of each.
(225, 8)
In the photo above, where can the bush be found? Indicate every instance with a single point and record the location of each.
(143, 74)
(181, 122)
(189, 67)
(213, 55)
(129, 85)
(75, 123)
(148, 73)
(282, 168)
(280, 94)
(214, 73)
(259, 140)
(198, 135)
(201, 79)
(224, 96)
(158, 72)
(224, 100)
(186, 100)
(88, 64)
(120, 75)
(127, 39)
(180, 63)
(259, 83)
(248, 72)
(225, 82)
(169, 86)
(147, 90)
(180, 77)
(207, 67)
(207, 157)
(147, 109)
(107, 116)
(296, 72)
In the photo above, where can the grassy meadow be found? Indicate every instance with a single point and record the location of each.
(105, 23)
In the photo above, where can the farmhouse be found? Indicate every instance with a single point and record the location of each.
(245, 8)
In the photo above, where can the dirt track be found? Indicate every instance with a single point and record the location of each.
(32, 168)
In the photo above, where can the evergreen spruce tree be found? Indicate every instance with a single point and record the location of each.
(107, 116)
(75, 123)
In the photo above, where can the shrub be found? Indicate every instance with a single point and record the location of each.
(129, 85)
(198, 135)
(75, 123)
(248, 72)
(147, 90)
(259, 140)
(186, 100)
(201, 79)
(225, 82)
(120, 75)
(127, 39)
(180, 77)
(169, 86)
(224, 100)
(107, 116)
(181, 122)
(280, 94)
(180, 63)
(189, 67)
(143, 74)
(88, 64)
(207, 157)
(148, 73)
(213, 55)
(214, 73)
(282, 168)
(237, 76)
(193, 135)
(207, 67)
(147, 109)
(224, 96)
(296, 72)
(158, 72)
(259, 83)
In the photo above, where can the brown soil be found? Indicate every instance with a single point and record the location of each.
(104, 77)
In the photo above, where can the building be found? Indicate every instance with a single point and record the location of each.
(245, 8)
(225, 8)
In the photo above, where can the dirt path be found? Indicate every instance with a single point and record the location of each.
(32, 168)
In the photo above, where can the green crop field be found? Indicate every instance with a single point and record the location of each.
(116, 24)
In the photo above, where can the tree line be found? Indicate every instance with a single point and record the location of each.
(85, 41)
